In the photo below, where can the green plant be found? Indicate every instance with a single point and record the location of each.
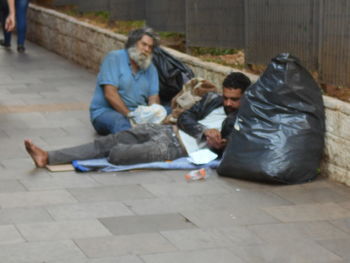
(212, 51)
(171, 35)
(100, 14)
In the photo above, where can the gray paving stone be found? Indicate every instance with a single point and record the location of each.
(339, 247)
(203, 202)
(204, 256)
(185, 189)
(34, 133)
(124, 245)
(7, 186)
(116, 193)
(297, 231)
(124, 225)
(3, 134)
(340, 189)
(121, 259)
(13, 153)
(19, 79)
(76, 131)
(59, 123)
(193, 239)
(229, 217)
(88, 210)
(40, 198)
(343, 224)
(31, 119)
(59, 182)
(22, 173)
(302, 251)
(12, 101)
(23, 215)
(345, 205)
(308, 212)
(139, 177)
(28, 89)
(318, 195)
(248, 185)
(20, 164)
(62, 230)
(9, 235)
(57, 251)
(40, 99)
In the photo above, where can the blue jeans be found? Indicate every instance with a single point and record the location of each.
(21, 22)
(111, 122)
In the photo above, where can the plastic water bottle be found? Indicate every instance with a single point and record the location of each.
(199, 174)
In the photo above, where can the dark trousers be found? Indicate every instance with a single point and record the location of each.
(142, 144)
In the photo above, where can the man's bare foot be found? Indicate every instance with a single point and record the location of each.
(39, 156)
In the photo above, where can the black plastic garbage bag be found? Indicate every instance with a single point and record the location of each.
(278, 135)
(172, 74)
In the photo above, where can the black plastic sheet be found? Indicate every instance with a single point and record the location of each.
(278, 135)
(172, 74)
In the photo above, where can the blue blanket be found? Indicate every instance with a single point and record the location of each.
(102, 165)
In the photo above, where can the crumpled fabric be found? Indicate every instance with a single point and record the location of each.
(147, 114)
(102, 165)
(191, 92)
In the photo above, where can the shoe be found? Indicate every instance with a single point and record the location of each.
(21, 49)
(2, 43)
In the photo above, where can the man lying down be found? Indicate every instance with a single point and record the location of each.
(207, 124)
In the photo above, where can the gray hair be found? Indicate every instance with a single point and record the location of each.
(137, 34)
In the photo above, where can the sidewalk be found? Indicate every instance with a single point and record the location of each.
(139, 216)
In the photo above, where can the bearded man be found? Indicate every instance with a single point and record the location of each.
(127, 79)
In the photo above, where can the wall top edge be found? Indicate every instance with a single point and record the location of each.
(336, 104)
(76, 21)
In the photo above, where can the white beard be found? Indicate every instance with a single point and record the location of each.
(142, 60)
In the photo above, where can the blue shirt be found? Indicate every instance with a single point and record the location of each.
(134, 89)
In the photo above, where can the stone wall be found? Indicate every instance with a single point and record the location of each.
(336, 163)
(86, 45)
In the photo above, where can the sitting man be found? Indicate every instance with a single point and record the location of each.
(154, 142)
(127, 79)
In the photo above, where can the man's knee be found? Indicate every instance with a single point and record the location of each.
(111, 122)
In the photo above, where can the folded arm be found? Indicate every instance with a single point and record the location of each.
(188, 120)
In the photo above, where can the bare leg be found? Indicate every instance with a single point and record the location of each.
(39, 156)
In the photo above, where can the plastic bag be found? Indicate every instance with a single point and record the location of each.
(278, 134)
(148, 114)
(172, 74)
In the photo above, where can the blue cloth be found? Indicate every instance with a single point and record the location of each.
(21, 22)
(102, 165)
(134, 89)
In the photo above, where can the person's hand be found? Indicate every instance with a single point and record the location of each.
(10, 23)
(214, 139)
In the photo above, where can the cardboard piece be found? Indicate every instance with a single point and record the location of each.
(60, 168)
